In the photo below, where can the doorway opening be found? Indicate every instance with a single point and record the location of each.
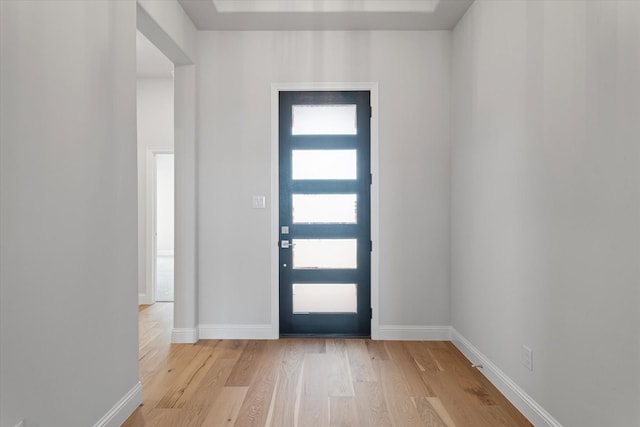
(155, 124)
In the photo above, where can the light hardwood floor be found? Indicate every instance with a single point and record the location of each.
(309, 382)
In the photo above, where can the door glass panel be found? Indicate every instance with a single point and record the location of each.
(325, 253)
(323, 164)
(325, 298)
(324, 208)
(324, 120)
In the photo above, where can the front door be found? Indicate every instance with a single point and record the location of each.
(325, 204)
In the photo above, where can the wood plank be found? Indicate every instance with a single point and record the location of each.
(499, 417)
(423, 359)
(372, 409)
(476, 392)
(399, 354)
(340, 380)
(360, 361)
(246, 367)
(455, 400)
(445, 359)
(224, 410)
(282, 413)
(314, 398)
(343, 412)
(184, 394)
(336, 346)
(437, 405)
(257, 403)
(397, 394)
(168, 371)
(169, 417)
(197, 407)
(314, 345)
(220, 350)
(148, 340)
(231, 349)
(377, 350)
(192, 372)
(428, 415)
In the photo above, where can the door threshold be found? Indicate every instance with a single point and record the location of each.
(344, 336)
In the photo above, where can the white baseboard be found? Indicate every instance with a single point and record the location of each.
(517, 396)
(184, 335)
(412, 333)
(123, 409)
(238, 332)
(144, 299)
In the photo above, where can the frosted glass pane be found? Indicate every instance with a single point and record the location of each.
(324, 120)
(325, 253)
(323, 164)
(325, 298)
(324, 208)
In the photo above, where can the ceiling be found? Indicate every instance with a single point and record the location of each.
(150, 62)
(304, 15)
(325, 14)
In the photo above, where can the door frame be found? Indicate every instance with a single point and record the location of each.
(276, 88)
(151, 190)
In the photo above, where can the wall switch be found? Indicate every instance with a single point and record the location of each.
(527, 357)
(258, 202)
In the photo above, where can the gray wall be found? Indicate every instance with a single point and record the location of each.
(68, 271)
(546, 200)
(235, 73)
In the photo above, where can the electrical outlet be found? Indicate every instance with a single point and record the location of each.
(527, 357)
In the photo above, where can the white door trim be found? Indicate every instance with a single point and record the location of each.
(276, 88)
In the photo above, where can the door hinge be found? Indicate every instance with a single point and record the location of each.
(370, 179)
(370, 245)
(370, 111)
(370, 312)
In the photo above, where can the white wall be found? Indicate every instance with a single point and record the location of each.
(164, 203)
(168, 26)
(155, 130)
(185, 310)
(546, 200)
(236, 70)
(68, 313)
(155, 112)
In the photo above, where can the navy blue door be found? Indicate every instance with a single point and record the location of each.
(325, 204)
